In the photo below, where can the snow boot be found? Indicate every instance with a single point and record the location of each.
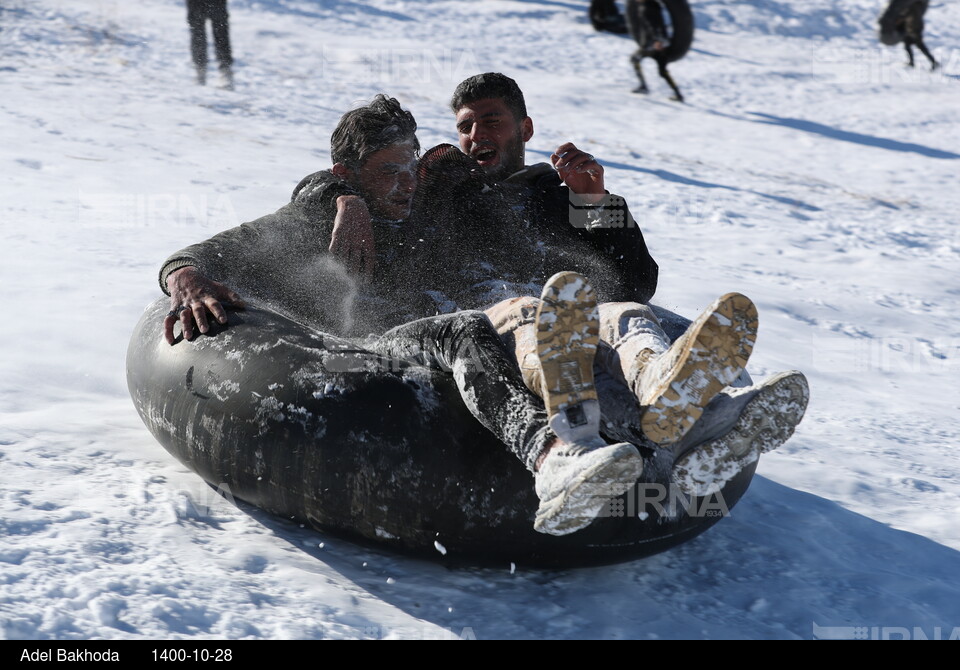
(577, 478)
(766, 421)
(674, 386)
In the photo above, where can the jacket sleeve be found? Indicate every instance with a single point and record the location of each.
(316, 194)
(244, 251)
(610, 229)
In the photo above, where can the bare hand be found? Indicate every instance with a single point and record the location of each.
(352, 239)
(580, 171)
(192, 296)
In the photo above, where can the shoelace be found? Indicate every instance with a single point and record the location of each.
(574, 450)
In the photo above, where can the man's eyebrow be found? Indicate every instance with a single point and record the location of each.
(470, 119)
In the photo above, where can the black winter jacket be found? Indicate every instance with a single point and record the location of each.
(467, 245)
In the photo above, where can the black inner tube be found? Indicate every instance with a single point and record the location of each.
(283, 417)
(668, 20)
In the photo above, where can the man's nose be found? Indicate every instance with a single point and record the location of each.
(408, 181)
(477, 133)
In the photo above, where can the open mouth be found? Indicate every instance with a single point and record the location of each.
(485, 156)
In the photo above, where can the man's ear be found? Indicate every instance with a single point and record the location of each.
(526, 128)
(341, 171)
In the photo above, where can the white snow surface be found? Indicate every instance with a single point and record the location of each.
(809, 170)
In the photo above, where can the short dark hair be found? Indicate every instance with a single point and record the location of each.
(366, 130)
(490, 85)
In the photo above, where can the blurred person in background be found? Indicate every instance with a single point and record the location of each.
(605, 15)
(198, 12)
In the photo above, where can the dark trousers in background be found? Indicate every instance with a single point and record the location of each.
(198, 12)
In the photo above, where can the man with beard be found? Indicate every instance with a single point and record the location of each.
(571, 215)
(563, 206)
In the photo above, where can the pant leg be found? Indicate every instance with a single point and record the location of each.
(220, 19)
(514, 320)
(466, 345)
(634, 334)
(197, 19)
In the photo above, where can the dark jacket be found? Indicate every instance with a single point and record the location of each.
(282, 259)
(507, 238)
(903, 20)
(601, 241)
(468, 245)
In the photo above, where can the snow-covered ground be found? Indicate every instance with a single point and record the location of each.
(809, 169)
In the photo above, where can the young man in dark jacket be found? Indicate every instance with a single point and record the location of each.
(567, 202)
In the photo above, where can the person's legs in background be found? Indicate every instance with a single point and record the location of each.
(220, 20)
(197, 20)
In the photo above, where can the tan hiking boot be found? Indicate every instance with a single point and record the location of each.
(568, 333)
(767, 421)
(578, 477)
(674, 386)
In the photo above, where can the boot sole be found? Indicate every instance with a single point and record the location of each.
(714, 353)
(568, 333)
(580, 502)
(766, 422)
